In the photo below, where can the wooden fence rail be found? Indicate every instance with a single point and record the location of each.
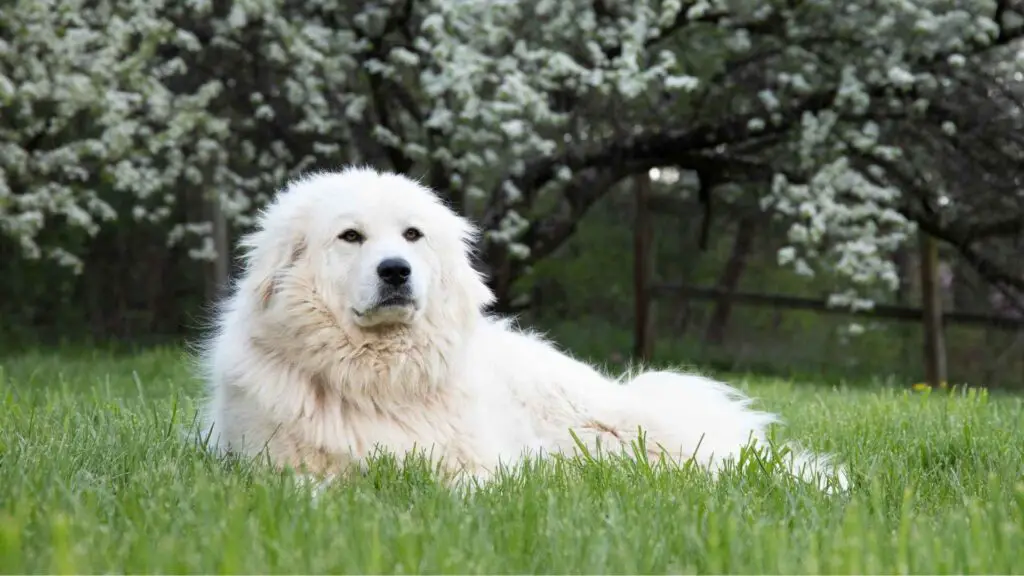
(880, 311)
(930, 315)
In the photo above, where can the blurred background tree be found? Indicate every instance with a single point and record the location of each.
(793, 147)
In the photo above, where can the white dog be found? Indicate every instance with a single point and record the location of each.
(357, 324)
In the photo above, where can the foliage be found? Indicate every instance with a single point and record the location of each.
(94, 477)
(523, 112)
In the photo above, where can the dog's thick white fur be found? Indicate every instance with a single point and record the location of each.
(357, 324)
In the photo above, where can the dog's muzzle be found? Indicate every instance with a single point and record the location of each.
(394, 289)
(389, 297)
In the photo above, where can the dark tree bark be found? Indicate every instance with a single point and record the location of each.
(642, 262)
(931, 299)
(730, 278)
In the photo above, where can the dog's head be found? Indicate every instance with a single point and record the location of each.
(373, 250)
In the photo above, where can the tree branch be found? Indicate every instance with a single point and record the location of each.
(1011, 285)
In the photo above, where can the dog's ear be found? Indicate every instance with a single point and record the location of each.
(268, 253)
(467, 283)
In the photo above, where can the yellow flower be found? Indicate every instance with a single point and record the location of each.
(921, 387)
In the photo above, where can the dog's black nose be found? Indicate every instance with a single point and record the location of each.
(394, 271)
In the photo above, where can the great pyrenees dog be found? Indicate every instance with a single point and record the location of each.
(357, 325)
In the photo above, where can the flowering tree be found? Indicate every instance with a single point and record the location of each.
(856, 121)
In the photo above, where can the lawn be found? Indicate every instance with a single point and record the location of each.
(94, 477)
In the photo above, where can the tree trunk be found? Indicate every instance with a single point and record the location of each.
(642, 334)
(901, 259)
(730, 279)
(904, 295)
(220, 267)
(931, 299)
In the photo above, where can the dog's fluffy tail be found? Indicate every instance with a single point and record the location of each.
(712, 422)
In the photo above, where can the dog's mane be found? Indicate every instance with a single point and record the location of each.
(286, 320)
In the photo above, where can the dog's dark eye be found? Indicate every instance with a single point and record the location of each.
(351, 236)
(412, 234)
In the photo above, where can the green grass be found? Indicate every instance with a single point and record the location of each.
(94, 477)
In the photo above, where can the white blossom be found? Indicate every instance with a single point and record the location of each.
(118, 110)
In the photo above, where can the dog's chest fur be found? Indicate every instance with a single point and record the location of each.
(382, 393)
